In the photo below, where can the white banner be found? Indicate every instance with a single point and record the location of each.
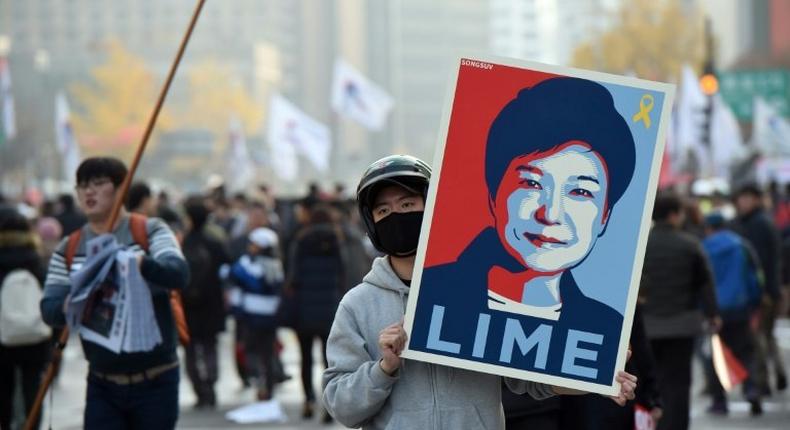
(725, 138)
(65, 140)
(771, 131)
(688, 127)
(7, 100)
(356, 97)
(293, 132)
(239, 170)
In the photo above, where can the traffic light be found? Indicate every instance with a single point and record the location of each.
(709, 84)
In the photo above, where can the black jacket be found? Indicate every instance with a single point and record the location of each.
(760, 231)
(204, 304)
(679, 284)
(316, 275)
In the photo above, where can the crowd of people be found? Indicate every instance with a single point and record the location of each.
(713, 264)
(262, 262)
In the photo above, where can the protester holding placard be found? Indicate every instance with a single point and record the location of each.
(367, 336)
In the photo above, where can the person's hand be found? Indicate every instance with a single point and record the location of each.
(714, 324)
(627, 383)
(656, 414)
(392, 340)
(139, 258)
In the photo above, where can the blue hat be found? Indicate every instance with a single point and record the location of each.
(715, 220)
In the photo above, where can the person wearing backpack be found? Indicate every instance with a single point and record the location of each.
(125, 390)
(738, 291)
(204, 303)
(24, 338)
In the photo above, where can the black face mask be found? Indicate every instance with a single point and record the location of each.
(399, 233)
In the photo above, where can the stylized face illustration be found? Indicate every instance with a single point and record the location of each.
(551, 207)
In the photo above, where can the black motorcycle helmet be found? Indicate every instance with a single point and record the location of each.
(406, 171)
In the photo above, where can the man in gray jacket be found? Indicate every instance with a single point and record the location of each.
(367, 384)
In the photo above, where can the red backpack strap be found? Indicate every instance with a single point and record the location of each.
(71, 247)
(137, 225)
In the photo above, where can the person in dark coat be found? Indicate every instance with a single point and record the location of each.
(754, 224)
(18, 250)
(677, 278)
(204, 304)
(522, 411)
(69, 217)
(315, 282)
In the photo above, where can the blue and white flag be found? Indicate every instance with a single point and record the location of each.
(689, 117)
(239, 170)
(726, 140)
(356, 97)
(8, 117)
(292, 133)
(771, 132)
(65, 139)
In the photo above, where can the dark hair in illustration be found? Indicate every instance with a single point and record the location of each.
(556, 111)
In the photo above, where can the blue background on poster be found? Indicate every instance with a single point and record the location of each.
(616, 249)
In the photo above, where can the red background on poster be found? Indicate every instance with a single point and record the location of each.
(461, 210)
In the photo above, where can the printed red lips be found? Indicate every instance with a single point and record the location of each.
(538, 239)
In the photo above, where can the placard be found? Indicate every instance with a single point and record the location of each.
(536, 222)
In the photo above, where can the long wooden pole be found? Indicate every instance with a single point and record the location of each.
(116, 210)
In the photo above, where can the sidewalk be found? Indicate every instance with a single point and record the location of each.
(69, 392)
(69, 395)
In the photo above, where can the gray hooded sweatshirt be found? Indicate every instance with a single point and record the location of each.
(420, 395)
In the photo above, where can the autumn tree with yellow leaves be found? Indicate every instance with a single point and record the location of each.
(215, 96)
(112, 110)
(652, 40)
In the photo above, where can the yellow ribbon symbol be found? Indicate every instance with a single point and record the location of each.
(645, 106)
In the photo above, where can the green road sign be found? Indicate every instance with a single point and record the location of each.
(739, 87)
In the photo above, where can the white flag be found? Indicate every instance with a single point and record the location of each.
(725, 138)
(239, 170)
(293, 132)
(356, 97)
(690, 117)
(65, 139)
(771, 132)
(7, 101)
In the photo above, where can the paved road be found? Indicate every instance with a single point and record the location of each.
(70, 389)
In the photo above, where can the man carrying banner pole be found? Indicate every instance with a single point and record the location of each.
(125, 390)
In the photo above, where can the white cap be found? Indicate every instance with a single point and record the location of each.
(263, 237)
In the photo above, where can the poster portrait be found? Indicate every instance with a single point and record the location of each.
(536, 222)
